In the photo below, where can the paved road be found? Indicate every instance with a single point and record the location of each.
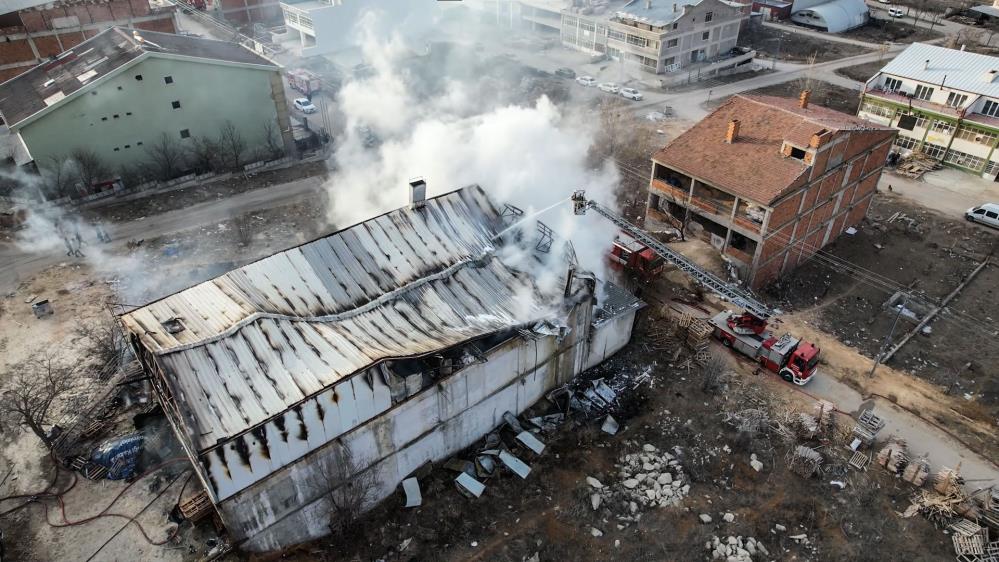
(16, 264)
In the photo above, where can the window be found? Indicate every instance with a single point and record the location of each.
(797, 153)
(706, 35)
(586, 25)
(675, 24)
(175, 104)
(116, 149)
(877, 109)
(128, 146)
(637, 41)
(185, 133)
(992, 168)
(138, 77)
(981, 136)
(991, 108)
(892, 85)
(119, 87)
(921, 122)
(964, 160)
(615, 35)
(934, 151)
(116, 116)
(943, 127)
(955, 99)
(991, 214)
(168, 79)
(708, 16)
(672, 43)
(127, 113)
(669, 61)
(138, 143)
(923, 92)
(906, 143)
(104, 118)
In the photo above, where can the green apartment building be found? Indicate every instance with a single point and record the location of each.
(118, 93)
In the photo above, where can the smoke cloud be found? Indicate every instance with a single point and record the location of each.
(531, 155)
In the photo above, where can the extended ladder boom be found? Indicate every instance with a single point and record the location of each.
(732, 292)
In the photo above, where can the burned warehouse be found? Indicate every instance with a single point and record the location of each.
(400, 340)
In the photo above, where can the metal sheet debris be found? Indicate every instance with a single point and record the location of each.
(513, 422)
(531, 442)
(610, 425)
(518, 466)
(485, 465)
(548, 423)
(412, 488)
(468, 485)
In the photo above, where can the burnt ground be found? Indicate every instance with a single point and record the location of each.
(823, 93)
(549, 515)
(932, 254)
(863, 72)
(795, 47)
(879, 30)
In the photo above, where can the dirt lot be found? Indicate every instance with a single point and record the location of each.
(823, 93)
(550, 515)
(794, 47)
(931, 254)
(884, 29)
(862, 72)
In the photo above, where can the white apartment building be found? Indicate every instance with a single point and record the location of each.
(944, 102)
(327, 26)
(660, 36)
(542, 16)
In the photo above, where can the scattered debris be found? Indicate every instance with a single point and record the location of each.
(705, 518)
(610, 425)
(736, 549)
(804, 461)
(413, 496)
(469, 486)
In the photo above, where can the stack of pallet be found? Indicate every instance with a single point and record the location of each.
(804, 461)
(917, 164)
(917, 472)
(698, 338)
(969, 538)
(893, 456)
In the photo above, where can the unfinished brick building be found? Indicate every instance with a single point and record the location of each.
(769, 181)
(34, 30)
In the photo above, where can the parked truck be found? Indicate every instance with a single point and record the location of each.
(304, 81)
(635, 259)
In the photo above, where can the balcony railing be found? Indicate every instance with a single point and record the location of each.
(747, 224)
(902, 97)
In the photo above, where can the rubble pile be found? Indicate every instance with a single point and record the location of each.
(736, 549)
(652, 478)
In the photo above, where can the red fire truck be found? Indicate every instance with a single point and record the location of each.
(792, 358)
(634, 258)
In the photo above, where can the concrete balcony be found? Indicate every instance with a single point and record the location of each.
(905, 99)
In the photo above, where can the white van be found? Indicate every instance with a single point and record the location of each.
(987, 214)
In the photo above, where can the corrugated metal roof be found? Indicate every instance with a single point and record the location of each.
(839, 15)
(957, 70)
(263, 337)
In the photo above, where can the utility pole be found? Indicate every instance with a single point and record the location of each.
(884, 345)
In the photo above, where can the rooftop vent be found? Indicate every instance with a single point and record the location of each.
(991, 75)
(417, 193)
(926, 64)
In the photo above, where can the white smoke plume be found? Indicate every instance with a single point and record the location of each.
(531, 156)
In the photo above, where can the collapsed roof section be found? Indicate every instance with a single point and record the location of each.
(245, 347)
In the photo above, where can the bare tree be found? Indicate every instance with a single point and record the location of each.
(166, 156)
(231, 145)
(59, 175)
(807, 80)
(348, 490)
(204, 154)
(31, 389)
(713, 373)
(105, 342)
(274, 147)
(90, 167)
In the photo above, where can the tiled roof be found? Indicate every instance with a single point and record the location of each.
(753, 167)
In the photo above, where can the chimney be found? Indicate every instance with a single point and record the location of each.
(417, 193)
(991, 75)
(803, 98)
(648, 4)
(733, 131)
(926, 65)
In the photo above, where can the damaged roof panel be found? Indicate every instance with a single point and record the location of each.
(262, 338)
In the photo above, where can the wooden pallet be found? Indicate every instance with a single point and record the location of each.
(860, 460)
(196, 508)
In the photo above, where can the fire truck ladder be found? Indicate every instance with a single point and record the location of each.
(730, 291)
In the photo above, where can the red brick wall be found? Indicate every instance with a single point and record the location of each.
(819, 165)
(16, 51)
(32, 20)
(775, 243)
(865, 187)
(784, 211)
(832, 183)
(47, 46)
(767, 272)
(822, 213)
(165, 25)
(877, 159)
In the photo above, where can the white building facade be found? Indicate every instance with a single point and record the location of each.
(944, 103)
(657, 36)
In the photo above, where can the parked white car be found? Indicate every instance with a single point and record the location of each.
(304, 105)
(609, 87)
(987, 214)
(896, 12)
(586, 80)
(631, 94)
